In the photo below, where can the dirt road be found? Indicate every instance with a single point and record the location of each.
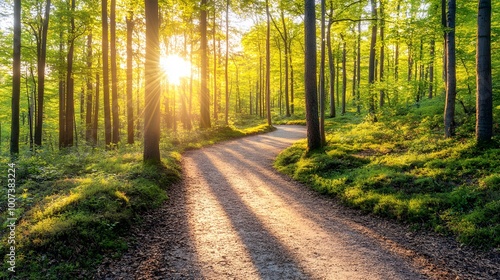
(234, 217)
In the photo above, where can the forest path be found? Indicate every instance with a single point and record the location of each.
(235, 217)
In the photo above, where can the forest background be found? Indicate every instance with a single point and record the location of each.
(230, 68)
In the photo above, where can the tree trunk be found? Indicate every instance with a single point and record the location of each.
(484, 99)
(16, 80)
(130, 104)
(226, 74)
(372, 66)
(313, 132)
(42, 55)
(268, 65)
(114, 75)
(449, 111)
(344, 77)
(287, 53)
(105, 73)
(153, 86)
(358, 71)
(62, 94)
(204, 93)
(88, 116)
(331, 64)
(70, 84)
(382, 53)
(214, 33)
(322, 96)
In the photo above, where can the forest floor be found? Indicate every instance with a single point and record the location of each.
(235, 217)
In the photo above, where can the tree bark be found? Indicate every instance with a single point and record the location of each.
(153, 86)
(322, 96)
(88, 116)
(114, 75)
(42, 57)
(130, 104)
(449, 111)
(16, 80)
(226, 69)
(313, 132)
(268, 65)
(70, 84)
(484, 99)
(105, 73)
(372, 66)
(204, 93)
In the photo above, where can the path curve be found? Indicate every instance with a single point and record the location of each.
(235, 217)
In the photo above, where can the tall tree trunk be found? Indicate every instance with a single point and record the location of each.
(70, 83)
(16, 80)
(322, 96)
(445, 56)
(88, 116)
(214, 33)
(292, 82)
(226, 74)
(114, 75)
(382, 53)
(313, 132)
(372, 62)
(451, 92)
(344, 77)
(130, 104)
(204, 93)
(153, 86)
(484, 99)
(358, 72)
(105, 73)
(42, 55)
(268, 65)
(95, 120)
(62, 94)
(331, 67)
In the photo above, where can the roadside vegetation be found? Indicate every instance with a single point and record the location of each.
(77, 205)
(401, 167)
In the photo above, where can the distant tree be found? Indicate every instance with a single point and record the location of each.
(88, 116)
(322, 95)
(153, 88)
(16, 80)
(313, 132)
(204, 92)
(484, 98)
(451, 79)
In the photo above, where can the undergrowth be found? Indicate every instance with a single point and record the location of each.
(74, 207)
(401, 167)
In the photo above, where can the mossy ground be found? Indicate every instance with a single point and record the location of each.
(401, 167)
(76, 206)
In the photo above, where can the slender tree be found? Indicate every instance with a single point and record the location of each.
(16, 80)
(42, 58)
(204, 92)
(114, 74)
(130, 104)
(322, 95)
(89, 103)
(70, 83)
(451, 80)
(153, 88)
(313, 132)
(105, 73)
(484, 98)
(268, 65)
(226, 65)
(372, 62)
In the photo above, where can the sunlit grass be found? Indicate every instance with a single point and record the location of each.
(402, 168)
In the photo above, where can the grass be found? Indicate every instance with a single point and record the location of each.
(401, 167)
(76, 206)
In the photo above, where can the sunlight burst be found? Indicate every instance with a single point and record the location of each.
(175, 67)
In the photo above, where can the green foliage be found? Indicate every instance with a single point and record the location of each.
(401, 167)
